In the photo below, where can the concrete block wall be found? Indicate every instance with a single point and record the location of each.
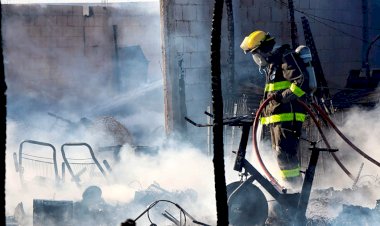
(338, 45)
(336, 27)
(59, 49)
(188, 39)
(337, 31)
(55, 53)
(192, 35)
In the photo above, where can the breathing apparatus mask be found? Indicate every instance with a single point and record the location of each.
(259, 59)
(262, 59)
(262, 55)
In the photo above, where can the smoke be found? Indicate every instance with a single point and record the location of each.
(333, 188)
(62, 92)
(361, 127)
(177, 167)
(43, 77)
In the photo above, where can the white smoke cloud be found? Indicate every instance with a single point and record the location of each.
(79, 83)
(177, 167)
(361, 127)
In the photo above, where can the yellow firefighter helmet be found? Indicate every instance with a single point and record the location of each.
(254, 40)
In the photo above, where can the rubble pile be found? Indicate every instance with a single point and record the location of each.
(348, 206)
(93, 210)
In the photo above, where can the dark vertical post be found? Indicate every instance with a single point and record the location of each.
(306, 188)
(116, 81)
(240, 155)
(217, 103)
(3, 102)
(293, 26)
(365, 33)
(182, 96)
(231, 47)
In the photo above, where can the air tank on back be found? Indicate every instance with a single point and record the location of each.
(305, 55)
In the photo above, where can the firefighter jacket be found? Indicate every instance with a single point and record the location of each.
(285, 76)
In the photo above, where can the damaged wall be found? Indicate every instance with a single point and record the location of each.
(336, 27)
(58, 56)
(69, 45)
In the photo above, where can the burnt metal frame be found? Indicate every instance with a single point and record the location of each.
(74, 177)
(19, 163)
(296, 202)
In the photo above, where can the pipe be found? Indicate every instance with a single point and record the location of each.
(324, 115)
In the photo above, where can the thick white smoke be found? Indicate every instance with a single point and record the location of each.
(177, 167)
(361, 127)
(78, 89)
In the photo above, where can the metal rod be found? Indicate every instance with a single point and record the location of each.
(171, 218)
(146, 210)
(268, 186)
(308, 182)
(240, 155)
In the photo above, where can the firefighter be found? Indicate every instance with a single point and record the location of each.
(285, 82)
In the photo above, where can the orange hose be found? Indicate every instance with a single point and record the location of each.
(256, 149)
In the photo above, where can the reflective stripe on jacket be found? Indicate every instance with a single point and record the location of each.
(284, 117)
(270, 87)
(291, 172)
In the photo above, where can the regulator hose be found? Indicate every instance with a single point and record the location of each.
(256, 149)
(327, 118)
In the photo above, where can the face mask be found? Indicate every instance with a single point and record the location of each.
(259, 60)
